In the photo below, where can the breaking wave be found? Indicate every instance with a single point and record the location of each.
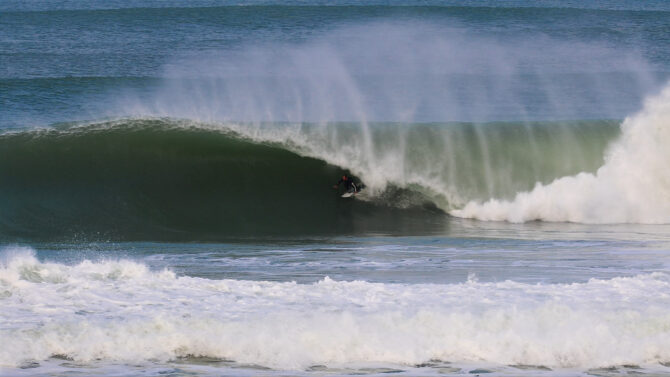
(123, 311)
(632, 186)
(155, 178)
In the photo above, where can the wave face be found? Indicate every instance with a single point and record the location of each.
(278, 109)
(505, 87)
(123, 311)
(168, 179)
(633, 185)
(152, 179)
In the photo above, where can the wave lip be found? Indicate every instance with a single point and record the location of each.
(122, 311)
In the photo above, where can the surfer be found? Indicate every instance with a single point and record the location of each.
(348, 183)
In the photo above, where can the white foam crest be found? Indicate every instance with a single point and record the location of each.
(14, 261)
(633, 185)
(158, 316)
(19, 264)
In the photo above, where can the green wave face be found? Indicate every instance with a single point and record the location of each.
(157, 179)
(152, 180)
(459, 162)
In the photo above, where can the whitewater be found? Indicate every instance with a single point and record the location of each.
(632, 186)
(123, 311)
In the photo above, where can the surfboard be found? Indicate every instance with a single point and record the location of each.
(348, 194)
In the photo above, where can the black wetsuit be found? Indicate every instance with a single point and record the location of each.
(349, 184)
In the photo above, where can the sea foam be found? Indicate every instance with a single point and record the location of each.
(124, 311)
(633, 186)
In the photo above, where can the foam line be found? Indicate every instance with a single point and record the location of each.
(123, 311)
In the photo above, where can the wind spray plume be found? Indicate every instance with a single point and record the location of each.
(402, 72)
(353, 96)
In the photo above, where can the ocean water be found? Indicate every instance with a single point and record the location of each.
(166, 200)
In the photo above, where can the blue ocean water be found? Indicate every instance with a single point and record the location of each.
(166, 200)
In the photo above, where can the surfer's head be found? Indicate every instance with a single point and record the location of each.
(344, 177)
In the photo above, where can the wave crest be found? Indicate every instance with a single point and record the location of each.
(633, 185)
